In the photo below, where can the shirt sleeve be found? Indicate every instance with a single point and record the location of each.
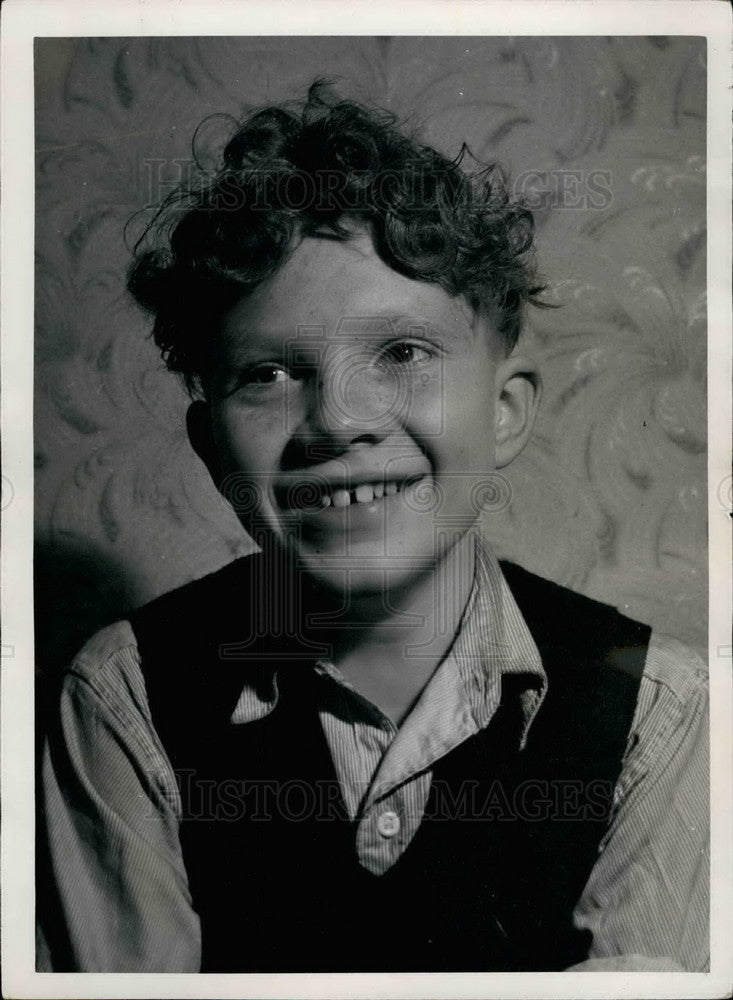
(113, 894)
(647, 899)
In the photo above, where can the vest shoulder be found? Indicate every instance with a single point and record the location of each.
(526, 584)
(580, 629)
(222, 584)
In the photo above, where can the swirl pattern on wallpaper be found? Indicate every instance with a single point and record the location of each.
(605, 138)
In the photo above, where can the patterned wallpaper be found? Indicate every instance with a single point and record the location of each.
(604, 136)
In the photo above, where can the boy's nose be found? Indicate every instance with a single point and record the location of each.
(351, 398)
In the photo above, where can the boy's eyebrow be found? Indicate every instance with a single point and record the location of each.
(241, 340)
(400, 323)
(388, 323)
(462, 329)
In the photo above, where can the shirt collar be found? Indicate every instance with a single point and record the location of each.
(464, 692)
(494, 640)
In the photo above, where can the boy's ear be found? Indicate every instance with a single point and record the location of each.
(200, 434)
(518, 393)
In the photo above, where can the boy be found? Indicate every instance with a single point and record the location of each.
(368, 747)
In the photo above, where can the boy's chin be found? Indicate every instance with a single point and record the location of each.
(371, 589)
(360, 577)
(370, 594)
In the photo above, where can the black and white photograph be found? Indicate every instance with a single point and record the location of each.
(380, 564)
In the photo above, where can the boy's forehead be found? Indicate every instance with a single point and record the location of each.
(329, 286)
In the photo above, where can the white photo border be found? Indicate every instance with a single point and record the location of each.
(24, 19)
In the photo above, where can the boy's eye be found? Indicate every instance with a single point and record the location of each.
(404, 352)
(265, 374)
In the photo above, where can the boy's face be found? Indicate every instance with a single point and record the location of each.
(355, 413)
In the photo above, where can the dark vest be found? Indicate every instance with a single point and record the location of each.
(509, 837)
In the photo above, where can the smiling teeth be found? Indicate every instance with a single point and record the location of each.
(364, 493)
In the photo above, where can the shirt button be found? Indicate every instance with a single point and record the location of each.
(388, 824)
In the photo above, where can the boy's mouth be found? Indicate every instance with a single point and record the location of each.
(312, 495)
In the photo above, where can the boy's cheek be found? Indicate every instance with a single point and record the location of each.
(457, 421)
(244, 474)
(244, 439)
(427, 412)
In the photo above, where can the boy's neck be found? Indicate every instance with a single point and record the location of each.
(390, 656)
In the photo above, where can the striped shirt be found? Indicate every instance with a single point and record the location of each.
(112, 805)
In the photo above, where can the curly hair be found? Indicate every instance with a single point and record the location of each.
(319, 169)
